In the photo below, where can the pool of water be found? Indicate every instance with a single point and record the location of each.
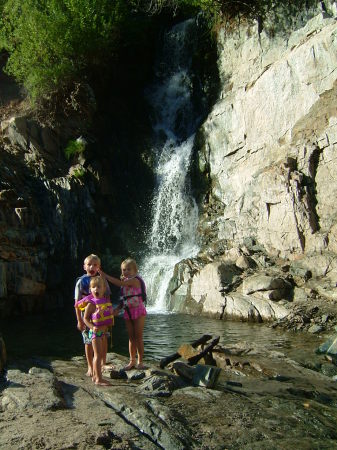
(55, 335)
(164, 333)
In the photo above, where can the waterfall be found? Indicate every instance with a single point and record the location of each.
(172, 236)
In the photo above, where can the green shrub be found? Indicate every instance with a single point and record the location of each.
(222, 10)
(52, 42)
(79, 173)
(74, 148)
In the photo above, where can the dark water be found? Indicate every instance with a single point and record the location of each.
(55, 335)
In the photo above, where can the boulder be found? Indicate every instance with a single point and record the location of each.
(262, 282)
(249, 308)
(198, 375)
(208, 285)
(329, 347)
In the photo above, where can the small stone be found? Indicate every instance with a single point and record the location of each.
(118, 374)
(315, 329)
(136, 375)
(328, 369)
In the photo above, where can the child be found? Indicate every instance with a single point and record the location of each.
(133, 293)
(91, 265)
(98, 316)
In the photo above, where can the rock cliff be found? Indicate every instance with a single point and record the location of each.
(45, 212)
(56, 210)
(267, 225)
(268, 151)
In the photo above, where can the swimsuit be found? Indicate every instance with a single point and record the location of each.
(133, 302)
(95, 334)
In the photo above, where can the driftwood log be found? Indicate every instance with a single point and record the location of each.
(194, 359)
(205, 338)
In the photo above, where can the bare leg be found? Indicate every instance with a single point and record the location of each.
(89, 354)
(132, 343)
(105, 350)
(139, 342)
(98, 345)
(106, 366)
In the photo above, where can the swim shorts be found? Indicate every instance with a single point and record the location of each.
(94, 335)
(86, 337)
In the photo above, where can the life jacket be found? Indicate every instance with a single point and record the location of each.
(142, 293)
(82, 287)
(103, 315)
(124, 301)
(82, 304)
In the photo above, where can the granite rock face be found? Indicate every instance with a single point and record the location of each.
(271, 138)
(268, 151)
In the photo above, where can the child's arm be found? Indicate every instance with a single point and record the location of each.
(77, 296)
(117, 282)
(79, 307)
(80, 323)
(107, 294)
(116, 310)
(90, 308)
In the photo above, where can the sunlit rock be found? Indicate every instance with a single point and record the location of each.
(271, 137)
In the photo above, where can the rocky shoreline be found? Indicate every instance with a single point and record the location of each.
(238, 396)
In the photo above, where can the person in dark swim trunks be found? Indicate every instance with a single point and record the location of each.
(91, 265)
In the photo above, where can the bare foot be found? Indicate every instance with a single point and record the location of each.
(140, 366)
(102, 383)
(89, 373)
(130, 366)
(108, 367)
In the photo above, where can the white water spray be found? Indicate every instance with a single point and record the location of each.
(174, 211)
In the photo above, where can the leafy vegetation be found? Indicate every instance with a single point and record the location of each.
(74, 148)
(54, 44)
(220, 9)
(51, 42)
(79, 172)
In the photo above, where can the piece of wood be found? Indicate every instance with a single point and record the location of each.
(164, 361)
(194, 359)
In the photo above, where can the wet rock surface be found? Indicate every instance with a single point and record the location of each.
(259, 398)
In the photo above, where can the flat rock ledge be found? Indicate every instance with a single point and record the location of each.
(254, 400)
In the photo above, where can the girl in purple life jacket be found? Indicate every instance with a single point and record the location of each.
(98, 316)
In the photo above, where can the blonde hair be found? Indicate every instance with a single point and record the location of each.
(96, 281)
(92, 257)
(130, 262)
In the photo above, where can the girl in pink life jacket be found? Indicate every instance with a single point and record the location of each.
(132, 292)
(98, 316)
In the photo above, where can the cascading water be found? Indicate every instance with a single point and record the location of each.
(174, 211)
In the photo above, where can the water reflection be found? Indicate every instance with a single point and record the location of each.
(164, 333)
